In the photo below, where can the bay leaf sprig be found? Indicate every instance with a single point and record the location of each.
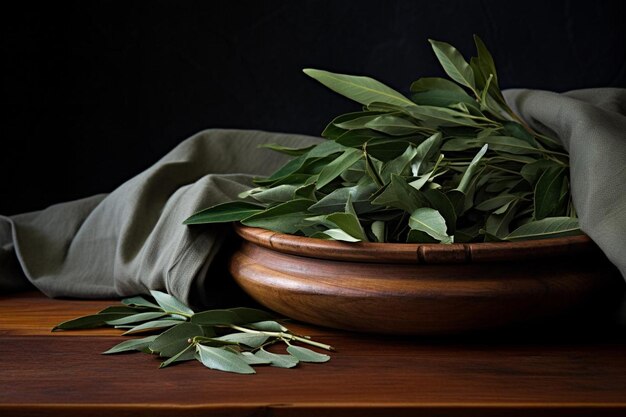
(451, 162)
(230, 340)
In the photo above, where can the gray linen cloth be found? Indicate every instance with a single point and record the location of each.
(132, 240)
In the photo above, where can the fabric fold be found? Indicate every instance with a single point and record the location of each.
(133, 240)
(591, 125)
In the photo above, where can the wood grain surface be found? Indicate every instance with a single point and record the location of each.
(571, 372)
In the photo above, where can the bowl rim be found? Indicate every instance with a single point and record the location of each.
(421, 253)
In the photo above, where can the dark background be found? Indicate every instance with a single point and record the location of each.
(96, 91)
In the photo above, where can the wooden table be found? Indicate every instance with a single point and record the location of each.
(573, 372)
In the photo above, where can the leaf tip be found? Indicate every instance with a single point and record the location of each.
(189, 220)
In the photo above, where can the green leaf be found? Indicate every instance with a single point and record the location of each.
(428, 176)
(289, 168)
(378, 230)
(306, 192)
(349, 223)
(336, 200)
(533, 171)
(131, 345)
(139, 302)
(467, 234)
(335, 234)
(307, 355)
(239, 315)
(417, 236)
(497, 224)
(453, 63)
(295, 165)
(486, 102)
(287, 150)
(223, 360)
(443, 117)
(248, 339)
(153, 325)
(170, 303)
(373, 167)
(385, 149)
(136, 318)
(215, 318)
(425, 152)
(247, 315)
(400, 195)
(339, 165)
(496, 202)
(175, 339)
(393, 125)
(356, 138)
(549, 200)
(485, 59)
(231, 211)
(296, 179)
(471, 169)
(459, 144)
(363, 90)
(291, 172)
(123, 310)
(278, 194)
(285, 218)
(332, 131)
(187, 354)
(497, 143)
(518, 131)
(546, 228)
(479, 77)
(509, 144)
(440, 202)
(484, 68)
(359, 122)
(438, 92)
(279, 361)
(252, 359)
(88, 322)
(430, 221)
(399, 165)
(457, 198)
(267, 326)
(505, 184)
(325, 149)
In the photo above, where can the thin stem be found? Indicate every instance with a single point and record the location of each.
(281, 335)
(178, 313)
(271, 342)
(503, 169)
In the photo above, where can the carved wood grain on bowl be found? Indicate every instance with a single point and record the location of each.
(419, 288)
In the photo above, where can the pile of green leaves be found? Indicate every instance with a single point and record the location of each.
(231, 340)
(452, 163)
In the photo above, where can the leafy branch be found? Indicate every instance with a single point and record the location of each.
(231, 340)
(450, 163)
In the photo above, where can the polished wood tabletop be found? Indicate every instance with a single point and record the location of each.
(575, 370)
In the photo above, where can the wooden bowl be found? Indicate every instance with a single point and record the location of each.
(419, 288)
